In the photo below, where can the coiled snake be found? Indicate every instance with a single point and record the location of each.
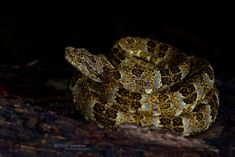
(146, 83)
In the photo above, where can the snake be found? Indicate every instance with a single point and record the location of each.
(146, 83)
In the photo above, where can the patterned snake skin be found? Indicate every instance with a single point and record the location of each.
(144, 83)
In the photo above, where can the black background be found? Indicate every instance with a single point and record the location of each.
(42, 33)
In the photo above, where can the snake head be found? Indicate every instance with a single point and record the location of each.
(88, 64)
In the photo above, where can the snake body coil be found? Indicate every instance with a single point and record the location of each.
(145, 83)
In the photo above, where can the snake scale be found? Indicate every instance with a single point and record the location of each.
(144, 82)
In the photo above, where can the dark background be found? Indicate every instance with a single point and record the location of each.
(43, 33)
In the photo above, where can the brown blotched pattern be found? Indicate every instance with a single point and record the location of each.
(146, 83)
